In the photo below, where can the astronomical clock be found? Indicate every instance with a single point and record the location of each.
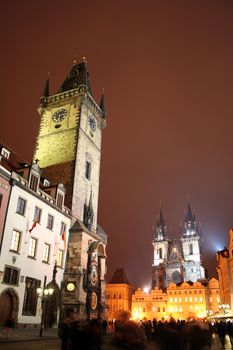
(93, 286)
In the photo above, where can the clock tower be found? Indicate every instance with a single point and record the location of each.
(68, 150)
(68, 147)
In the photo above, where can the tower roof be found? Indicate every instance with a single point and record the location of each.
(119, 277)
(161, 221)
(190, 224)
(161, 228)
(77, 76)
(189, 216)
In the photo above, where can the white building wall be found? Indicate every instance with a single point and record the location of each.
(30, 267)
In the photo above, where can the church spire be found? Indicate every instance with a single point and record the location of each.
(190, 225)
(161, 228)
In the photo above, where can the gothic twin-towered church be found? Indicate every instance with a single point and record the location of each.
(173, 262)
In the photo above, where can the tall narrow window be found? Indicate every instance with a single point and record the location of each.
(21, 206)
(59, 258)
(34, 182)
(88, 170)
(60, 199)
(50, 222)
(15, 241)
(30, 296)
(160, 253)
(63, 228)
(37, 214)
(190, 249)
(32, 247)
(46, 252)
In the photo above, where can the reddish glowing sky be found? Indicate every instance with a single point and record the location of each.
(167, 70)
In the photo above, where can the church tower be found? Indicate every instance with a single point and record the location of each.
(161, 245)
(191, 248)
(68, 150)
(68, 147)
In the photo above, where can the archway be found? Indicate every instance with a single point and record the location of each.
(9, 305)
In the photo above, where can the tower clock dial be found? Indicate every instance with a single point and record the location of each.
(70, 286)
(94, 300)
(92, 123)
(94, 275)
(59, 115)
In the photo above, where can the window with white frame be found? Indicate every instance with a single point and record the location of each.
(63, 228)
(50, 222)
(46, 252)
(59, 257)
(37, 214)
(32, 247)
(21, 206)
(15, 241)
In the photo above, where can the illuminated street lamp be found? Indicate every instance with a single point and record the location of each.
(43, 293)
(224, 307)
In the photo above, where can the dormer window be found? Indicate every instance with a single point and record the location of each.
(5, 153)
(60, 199)
(46, 183)
(34, 180)
(60, 196)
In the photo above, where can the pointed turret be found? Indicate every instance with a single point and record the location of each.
(161, 229)
(46, 89)
(77, 76)
(103, 106)
(88, 214)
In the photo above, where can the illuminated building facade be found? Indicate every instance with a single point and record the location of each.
(119, 294)
(225, 271)
(149, 305)
(176, 263)
(33, 246)
(182, 301)
(68, 150)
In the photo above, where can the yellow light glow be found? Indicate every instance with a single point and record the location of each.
(136, 315)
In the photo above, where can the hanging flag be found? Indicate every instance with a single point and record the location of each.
(63, 236)
(36, 220)
(55, 245)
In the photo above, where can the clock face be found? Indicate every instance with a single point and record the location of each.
(94, 300)
(59, 115)
(92, 123)
(70, 287)
(94, 275)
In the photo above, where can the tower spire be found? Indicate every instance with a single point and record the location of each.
(161, 229)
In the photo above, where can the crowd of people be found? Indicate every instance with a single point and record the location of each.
(79, 334)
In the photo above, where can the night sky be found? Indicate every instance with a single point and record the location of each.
(167, 71)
